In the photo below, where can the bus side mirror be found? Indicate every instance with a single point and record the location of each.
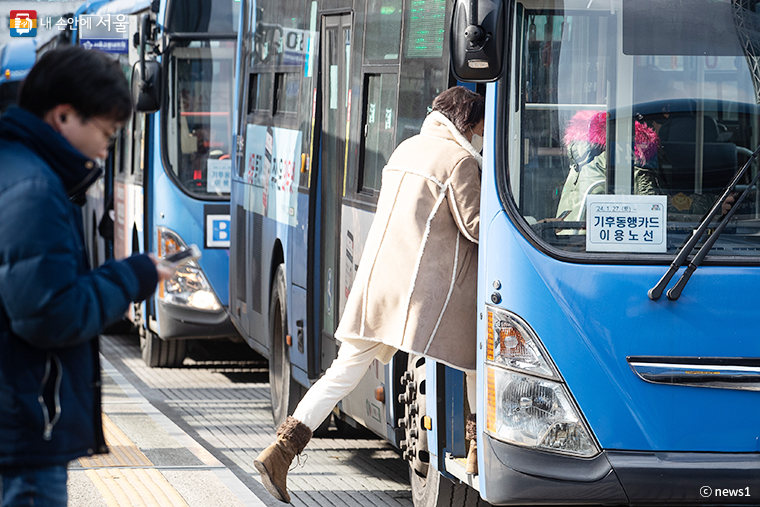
(146, 86)
(477, 40)
(146, 75)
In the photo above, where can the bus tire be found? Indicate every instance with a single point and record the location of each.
(158, 353)
(285, 393)
(433, 490)
(429, 487)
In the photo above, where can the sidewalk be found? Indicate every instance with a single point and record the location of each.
(152, 461)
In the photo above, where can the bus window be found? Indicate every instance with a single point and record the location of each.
(383, 30)
(200, 115)
(379, 125)
(204, 16)
(260, 93)
(287, 92)
(596, 114)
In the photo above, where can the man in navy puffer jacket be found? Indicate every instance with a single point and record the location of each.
(52, 305)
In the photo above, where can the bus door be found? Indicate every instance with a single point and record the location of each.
(336, 100)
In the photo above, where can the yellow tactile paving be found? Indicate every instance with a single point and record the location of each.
(131, 487)
(123, 451)
(125, 486)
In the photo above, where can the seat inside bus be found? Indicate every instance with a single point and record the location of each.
(679, 145)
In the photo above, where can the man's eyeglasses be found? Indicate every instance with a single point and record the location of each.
(111, 137)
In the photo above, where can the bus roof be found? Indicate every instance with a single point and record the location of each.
(123, 7)
(103, 7)
(16, 58)
(90, 7)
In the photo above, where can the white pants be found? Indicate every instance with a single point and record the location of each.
(341, 378)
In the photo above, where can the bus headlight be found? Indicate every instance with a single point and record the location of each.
(527, 403)
(534, 412)
(188, 286)
(513, 344)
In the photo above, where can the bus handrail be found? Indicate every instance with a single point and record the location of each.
(540, 106)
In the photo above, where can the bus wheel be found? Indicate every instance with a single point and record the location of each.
(414, 446)
(158, 353)
(435, 490)
(429, 487)
(432, 490)
(284, 391)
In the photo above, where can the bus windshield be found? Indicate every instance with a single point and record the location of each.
(628, 119)
(199, 119)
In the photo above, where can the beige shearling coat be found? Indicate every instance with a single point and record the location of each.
(415, 288)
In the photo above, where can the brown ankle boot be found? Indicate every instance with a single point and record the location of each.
(471, 434)
(274, 461)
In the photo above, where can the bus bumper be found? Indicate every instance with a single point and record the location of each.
(518, 476)
(175, 322)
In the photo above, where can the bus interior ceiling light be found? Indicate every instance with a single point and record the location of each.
(188, 286)
(527, 403)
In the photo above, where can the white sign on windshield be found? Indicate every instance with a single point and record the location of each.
(626, 223)
(218, 176)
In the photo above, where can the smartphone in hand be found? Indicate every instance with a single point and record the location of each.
(177, 259)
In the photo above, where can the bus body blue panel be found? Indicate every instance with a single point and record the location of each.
(185, 216)
(299, 246)
(298, 263)
(592, 317)
(18, 56)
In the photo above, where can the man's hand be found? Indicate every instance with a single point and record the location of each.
(164, 273)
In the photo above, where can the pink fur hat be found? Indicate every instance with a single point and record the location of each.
(591, 127)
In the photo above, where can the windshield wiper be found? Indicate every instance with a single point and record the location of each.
(675, 292)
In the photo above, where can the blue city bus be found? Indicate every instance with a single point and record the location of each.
(16, 59)
(615, 133)
(597, 388)
(98, 211)
(170, 167)
(316, 121)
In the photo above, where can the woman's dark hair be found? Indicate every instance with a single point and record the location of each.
(463, 107)
(88, 80)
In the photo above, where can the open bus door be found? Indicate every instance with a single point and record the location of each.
(336, 99)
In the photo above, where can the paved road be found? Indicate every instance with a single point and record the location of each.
(218, 405)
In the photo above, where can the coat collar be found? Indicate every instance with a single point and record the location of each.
(435, 119)
(77, 172)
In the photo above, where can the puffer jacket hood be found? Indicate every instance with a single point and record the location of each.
(77, 172)
(591, 127)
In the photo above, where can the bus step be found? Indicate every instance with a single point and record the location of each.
(456, 466)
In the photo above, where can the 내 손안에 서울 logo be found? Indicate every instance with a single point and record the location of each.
(23, 23)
